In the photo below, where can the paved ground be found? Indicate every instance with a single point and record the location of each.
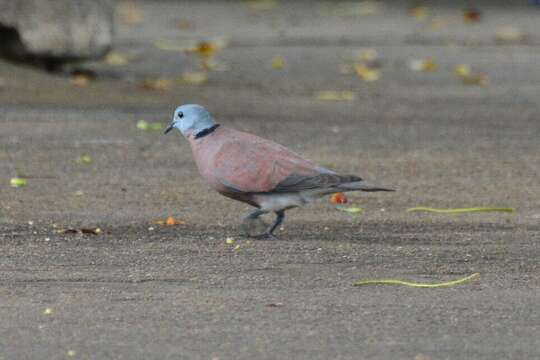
(182, 292)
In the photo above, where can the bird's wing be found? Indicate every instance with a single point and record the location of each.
(249, 164)
(297, 182)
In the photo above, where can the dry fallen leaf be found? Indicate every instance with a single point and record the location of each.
(157, 84)
(366, 73)
(509, 35)
(331, 95)
(367, 55)
(362, 8)
(437, 23)
(170, 221)
(278, 62)
(206, 49)
(422, 65)
(84, 159)
(184, 24)
(194, 78)
(116, 59)
(277, 304)
(338, 198)
(471, 15)
(419, 12)
(176, 45)
(129, 13)
(462, 70)
(478, 79)
(80, 79)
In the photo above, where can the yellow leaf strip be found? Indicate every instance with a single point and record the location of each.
(414, 284)
(460, 210)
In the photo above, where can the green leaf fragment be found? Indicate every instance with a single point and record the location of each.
(414, 284)
(85, 159)
(352, 210)
(145, 125)
(18, 182)
(460, 210)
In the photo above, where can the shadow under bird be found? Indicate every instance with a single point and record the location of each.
(257, 171)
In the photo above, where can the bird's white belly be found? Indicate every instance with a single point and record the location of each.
(276, 202)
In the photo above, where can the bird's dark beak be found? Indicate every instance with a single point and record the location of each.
(169, 128)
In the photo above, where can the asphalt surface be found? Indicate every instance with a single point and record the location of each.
(140, 290)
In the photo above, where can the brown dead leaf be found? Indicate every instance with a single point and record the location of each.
(116, 59)
(471, 15)
(157, 84)
(475, 79)
(276, 304)
(170, 221)
(184, 24)
(80, 80)
(129, 13)
(425, 65)
(366, 73)
(206, 49)
(367, 55)
(352, 9)
(181, 45)
(509, 35)
(194, 78)
(419, 12)
(331, 95)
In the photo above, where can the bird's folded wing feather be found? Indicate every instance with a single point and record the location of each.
(295, 182)
(254, 165)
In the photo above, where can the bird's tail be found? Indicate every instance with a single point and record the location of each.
(361, 186)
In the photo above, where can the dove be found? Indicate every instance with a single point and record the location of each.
(257, 171)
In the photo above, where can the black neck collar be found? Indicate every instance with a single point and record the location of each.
(206, 131)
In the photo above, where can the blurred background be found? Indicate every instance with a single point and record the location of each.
(431, 97)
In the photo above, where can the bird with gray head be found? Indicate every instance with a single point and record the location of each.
(257, 171)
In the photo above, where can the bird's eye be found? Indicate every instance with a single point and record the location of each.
(180, 115)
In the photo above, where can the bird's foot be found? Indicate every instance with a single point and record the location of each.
(253, 227)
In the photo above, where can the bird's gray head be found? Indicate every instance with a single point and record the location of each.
(191, 120)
